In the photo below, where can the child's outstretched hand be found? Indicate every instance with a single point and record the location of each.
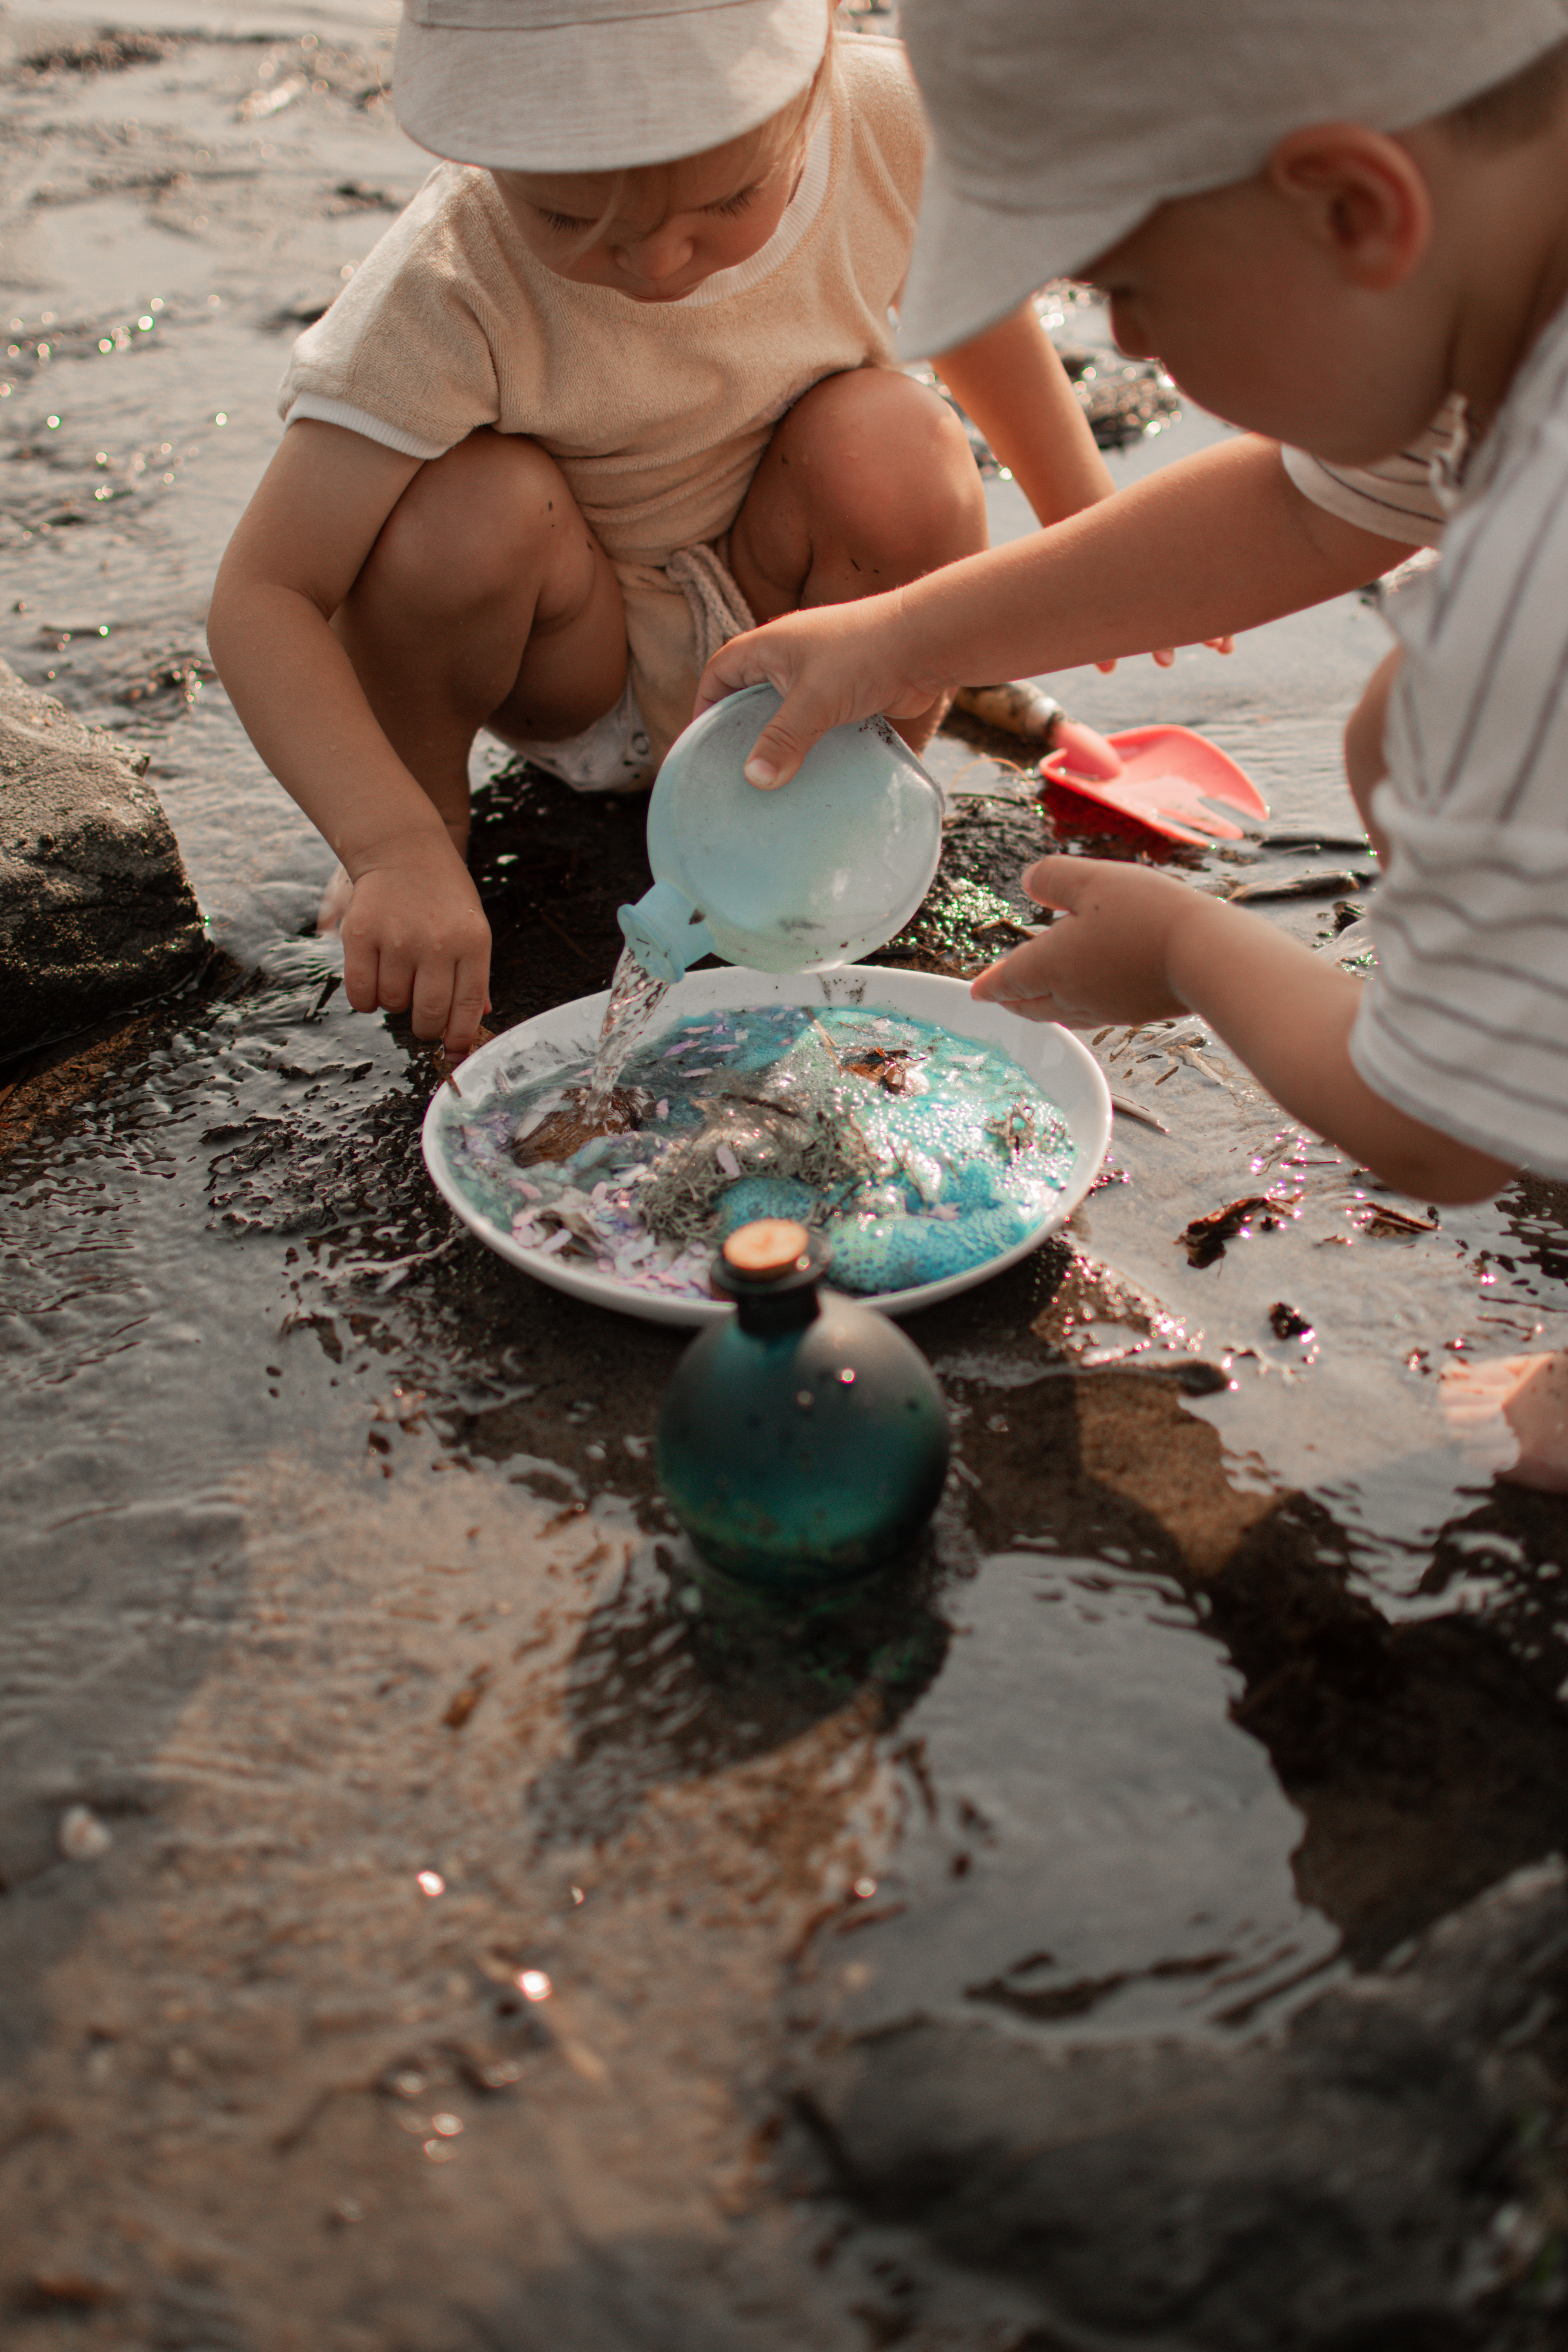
(833, 665)
(1130, 946)
(416, 940)
(1107, 956)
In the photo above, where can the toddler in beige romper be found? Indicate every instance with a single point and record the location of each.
(655, 414)
(606, 392)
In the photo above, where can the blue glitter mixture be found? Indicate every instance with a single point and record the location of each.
(918, 1153)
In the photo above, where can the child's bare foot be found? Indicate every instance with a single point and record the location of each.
(1511, 1417)
(334, 905)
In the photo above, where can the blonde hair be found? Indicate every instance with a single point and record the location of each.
(760, 150)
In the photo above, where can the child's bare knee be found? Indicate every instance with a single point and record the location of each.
(892, 464)
(462, 533)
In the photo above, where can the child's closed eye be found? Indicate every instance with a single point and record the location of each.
(736, 203)
(566, 223)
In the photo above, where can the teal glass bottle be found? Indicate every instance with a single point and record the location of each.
(803, 1442)
(814, 875)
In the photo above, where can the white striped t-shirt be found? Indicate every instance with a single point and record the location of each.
(1465, 1023)
(1405, 497)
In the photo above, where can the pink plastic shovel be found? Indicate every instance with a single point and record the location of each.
(1177, 783)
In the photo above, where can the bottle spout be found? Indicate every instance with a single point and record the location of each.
(665, 931)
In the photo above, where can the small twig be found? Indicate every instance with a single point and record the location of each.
(1304, 885)
(1385, 1220)
(825, 1039)
(1126, 1110)
(1195, 1060)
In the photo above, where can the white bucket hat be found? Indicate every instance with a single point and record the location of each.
(1060, 124)
(597, 85)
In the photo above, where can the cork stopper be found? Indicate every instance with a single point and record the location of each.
(766, 1249)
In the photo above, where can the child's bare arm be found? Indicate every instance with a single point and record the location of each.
(1011, 382)
(414, 936)
(1222, 541)
(1128, 945)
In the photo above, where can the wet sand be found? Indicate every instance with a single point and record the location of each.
(335, 1557)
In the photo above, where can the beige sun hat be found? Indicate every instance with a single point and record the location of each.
(597, 85)
(1060, 124)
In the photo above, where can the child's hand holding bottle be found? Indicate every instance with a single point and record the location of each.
(834, 665)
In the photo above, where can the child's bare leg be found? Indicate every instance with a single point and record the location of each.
(1511, 1416)
(485, 601)
(867, 482)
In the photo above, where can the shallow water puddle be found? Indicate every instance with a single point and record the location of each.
(1087, 1845)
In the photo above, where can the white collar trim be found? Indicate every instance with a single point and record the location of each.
(798, 219)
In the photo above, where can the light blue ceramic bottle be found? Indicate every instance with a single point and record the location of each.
(813, 874)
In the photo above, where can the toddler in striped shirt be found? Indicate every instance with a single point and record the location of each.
(1332, 223)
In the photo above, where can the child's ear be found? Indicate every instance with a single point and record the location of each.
(1359, 196)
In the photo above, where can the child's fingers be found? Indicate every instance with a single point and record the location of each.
(829, 700)
(470, 1002)
(740, 662)
(431, 1001)
(1018, 984)
(395, 972)
(362, 973)
(1018, 977)
(1056, 882)
(781, 747)
(784, 743)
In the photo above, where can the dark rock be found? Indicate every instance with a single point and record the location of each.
(1330, 2185)
(97, 913)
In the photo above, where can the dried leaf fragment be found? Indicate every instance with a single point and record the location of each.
(447, 1063)
(1205, 1237)
(566, 1130)
(887, 1066)
(1288, 1322)
(462, 1703)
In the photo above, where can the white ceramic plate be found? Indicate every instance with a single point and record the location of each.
(1053, 1057)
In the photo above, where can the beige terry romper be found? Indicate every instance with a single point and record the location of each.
(656, 412)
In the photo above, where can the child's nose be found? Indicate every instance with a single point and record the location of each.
(661, 253)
